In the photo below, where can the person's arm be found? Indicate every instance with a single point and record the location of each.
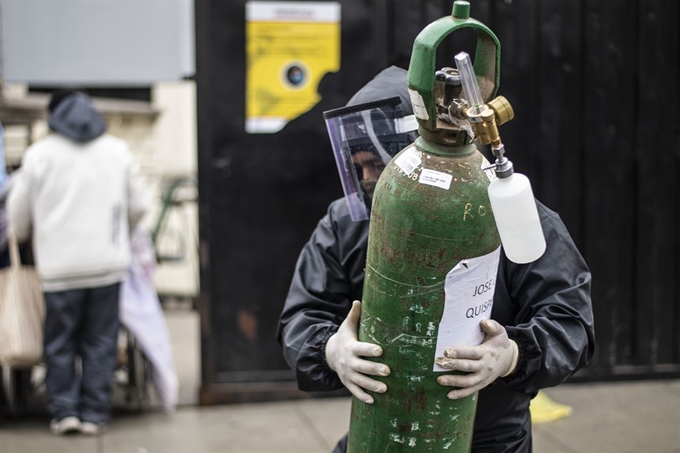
(553, 335)
(20, 200)
(316, 332)
(554, 326)
(318, 301)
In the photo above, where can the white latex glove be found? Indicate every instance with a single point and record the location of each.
(343, 355)
(496, 357)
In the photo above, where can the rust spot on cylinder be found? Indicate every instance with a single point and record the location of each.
(404, 427)
(417, 401)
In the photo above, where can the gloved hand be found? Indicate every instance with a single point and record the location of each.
(496, 357)
(343, 352)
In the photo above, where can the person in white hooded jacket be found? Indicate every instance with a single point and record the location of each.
(78, 195)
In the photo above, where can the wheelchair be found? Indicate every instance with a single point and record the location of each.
(132, 376)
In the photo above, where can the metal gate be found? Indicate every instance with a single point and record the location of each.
(594, 84)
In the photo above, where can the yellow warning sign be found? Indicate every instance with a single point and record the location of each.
(290, 46)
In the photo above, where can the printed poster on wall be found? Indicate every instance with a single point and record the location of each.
(290, 46)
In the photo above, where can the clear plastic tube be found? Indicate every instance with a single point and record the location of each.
(470, 87)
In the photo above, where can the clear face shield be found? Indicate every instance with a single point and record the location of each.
(365, 137)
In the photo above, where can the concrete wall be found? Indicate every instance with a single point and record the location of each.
(102, 42)
(175, 129)
(165, 147)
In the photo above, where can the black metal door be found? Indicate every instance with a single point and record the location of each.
(594, 84)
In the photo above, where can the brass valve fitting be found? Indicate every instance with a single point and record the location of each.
(485, 124)
(502, 110)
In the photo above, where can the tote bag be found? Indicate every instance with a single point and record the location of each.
(22, 311)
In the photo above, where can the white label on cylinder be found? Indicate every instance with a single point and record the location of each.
(435, 178)
(407, 124)
(490, 173)
(408, 161)
(419, 108)
(468, 300)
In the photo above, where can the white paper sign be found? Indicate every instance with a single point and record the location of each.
(469, 290)
(419, 108)
(408, 161)
(435, 178)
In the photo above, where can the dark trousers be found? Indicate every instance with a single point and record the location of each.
(84, 323)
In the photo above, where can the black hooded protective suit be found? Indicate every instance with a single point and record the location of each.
(545, 307)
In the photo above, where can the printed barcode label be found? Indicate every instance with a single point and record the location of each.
(435, 178)
(408, 161)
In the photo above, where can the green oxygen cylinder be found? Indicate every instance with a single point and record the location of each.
(431, 229)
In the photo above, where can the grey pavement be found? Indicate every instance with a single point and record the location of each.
(633, 417)
(629, 417)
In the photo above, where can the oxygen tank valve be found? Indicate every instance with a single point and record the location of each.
(511, 197)
(484, 118)
(449, 76)
(452, 84)
(503, 166)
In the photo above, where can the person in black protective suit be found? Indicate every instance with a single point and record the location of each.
(543, 308)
